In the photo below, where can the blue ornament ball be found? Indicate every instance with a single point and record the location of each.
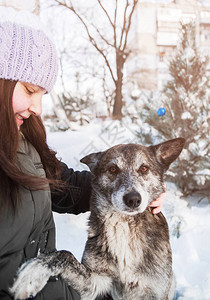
(161, 111)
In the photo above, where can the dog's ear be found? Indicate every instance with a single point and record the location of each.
(168, 151)
(91, 160)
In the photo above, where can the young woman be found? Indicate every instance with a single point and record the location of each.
(33, 182)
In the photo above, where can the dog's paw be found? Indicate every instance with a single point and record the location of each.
(30, 280)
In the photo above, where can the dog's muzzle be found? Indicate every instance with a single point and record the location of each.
(132, 199)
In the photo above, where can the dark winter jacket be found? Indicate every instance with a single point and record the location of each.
(32, 230)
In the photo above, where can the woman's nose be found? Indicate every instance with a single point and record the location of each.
(36, 106)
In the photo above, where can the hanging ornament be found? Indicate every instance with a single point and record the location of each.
(161, 111)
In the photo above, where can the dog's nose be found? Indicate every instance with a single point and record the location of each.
(132, 199)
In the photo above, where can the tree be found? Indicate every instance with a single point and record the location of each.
(186, 100)
(109, 40)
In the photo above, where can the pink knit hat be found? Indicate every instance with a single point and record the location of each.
(26, 53)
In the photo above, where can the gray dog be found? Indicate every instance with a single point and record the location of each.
(127, 254)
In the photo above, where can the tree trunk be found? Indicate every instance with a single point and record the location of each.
(118, 103)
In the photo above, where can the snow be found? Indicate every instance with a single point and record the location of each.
(188, 219)
(186, 115)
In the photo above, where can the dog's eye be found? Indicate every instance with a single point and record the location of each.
(113, 169)
(143, 169)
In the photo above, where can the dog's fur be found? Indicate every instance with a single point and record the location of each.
(127, 254)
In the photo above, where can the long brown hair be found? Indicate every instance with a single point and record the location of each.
(33, 130)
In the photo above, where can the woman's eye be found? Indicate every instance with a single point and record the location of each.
(143, 169)
(113, 169)
(30, 92)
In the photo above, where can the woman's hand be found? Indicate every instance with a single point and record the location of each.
(158, 203)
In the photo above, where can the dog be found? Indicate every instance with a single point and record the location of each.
(127, 253)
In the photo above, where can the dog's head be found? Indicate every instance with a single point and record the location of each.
(130, 176)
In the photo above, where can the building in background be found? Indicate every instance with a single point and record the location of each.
(156, 36)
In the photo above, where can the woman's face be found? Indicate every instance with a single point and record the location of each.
(27, 101)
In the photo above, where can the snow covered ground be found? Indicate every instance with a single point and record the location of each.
(189, 223)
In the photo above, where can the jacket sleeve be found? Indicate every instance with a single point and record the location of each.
(76, 197)
(5, 296)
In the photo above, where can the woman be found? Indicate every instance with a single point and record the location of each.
(32, 180)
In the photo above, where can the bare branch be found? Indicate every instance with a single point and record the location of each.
(129, 23)
(124, 24)
(101, 36)
(115, 21)
(106, 13)
(91, 38)
(36, 10)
